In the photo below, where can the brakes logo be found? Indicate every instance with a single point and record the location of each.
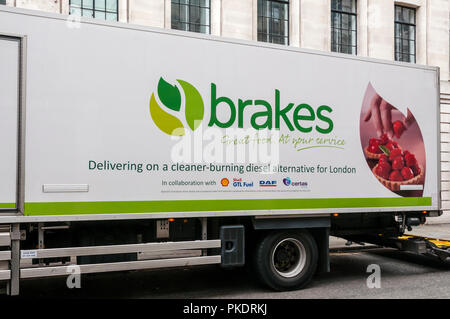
(294, 116)
(263, 183)
(170, 97)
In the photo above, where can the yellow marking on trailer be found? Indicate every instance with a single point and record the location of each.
(440, 243)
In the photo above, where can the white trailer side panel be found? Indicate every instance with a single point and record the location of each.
(89, 125)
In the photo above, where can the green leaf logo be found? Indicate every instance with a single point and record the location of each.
(170, 97)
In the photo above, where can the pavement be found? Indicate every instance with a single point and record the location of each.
(443, 219)
(432, 230)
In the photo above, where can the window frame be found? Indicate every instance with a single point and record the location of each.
(94, 10)
(189, 24)
(269, 34)
(333, 27)
(401, 53)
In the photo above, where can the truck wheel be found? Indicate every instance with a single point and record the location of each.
(286, 260)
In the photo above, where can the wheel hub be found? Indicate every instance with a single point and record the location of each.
(289, 257)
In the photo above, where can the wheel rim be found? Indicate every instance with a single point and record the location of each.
(289, 257)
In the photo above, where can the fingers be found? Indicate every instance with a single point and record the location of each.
(374, 103)
(409, 119)
(380, 112)
(368, 115)
(376, 119)
(386, 118)
(374, 114)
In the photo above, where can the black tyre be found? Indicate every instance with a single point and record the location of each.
(286, 260)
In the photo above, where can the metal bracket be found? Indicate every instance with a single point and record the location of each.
(15, 233)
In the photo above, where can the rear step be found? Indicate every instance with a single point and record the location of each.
(428, 246)
(411, 243)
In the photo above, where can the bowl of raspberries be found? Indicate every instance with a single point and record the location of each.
(395, 167)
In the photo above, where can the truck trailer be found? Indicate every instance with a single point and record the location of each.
(127, 147)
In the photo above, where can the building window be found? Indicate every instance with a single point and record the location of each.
(99, 9)
(273, 21)
(191, 15)
(405, 34)
(343, 26)
(2, 1)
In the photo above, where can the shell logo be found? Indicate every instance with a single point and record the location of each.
(224, 182)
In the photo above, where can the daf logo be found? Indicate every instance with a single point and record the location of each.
(264, 183)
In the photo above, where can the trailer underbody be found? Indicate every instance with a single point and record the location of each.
(296, 244)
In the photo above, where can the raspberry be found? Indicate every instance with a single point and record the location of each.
(395, 153)
(396, 145)
(405, 153)
(399, 128)
(374, 149)
(384, 139)
(398, 163)
(374, 141)
(410, 160)
(416, 170)
(396, 176)
(407, 173)
(383, 169)
(390, 146)
(383, 158)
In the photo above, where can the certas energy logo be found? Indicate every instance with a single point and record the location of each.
(259, 114)
(170, 96)
(288, 182)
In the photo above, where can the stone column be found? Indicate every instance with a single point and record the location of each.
(294, 23)
(237, 19)
(216, 17)
(315, 24)
(149, 13)
(380, 35)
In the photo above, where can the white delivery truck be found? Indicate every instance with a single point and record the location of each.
(127, 147)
